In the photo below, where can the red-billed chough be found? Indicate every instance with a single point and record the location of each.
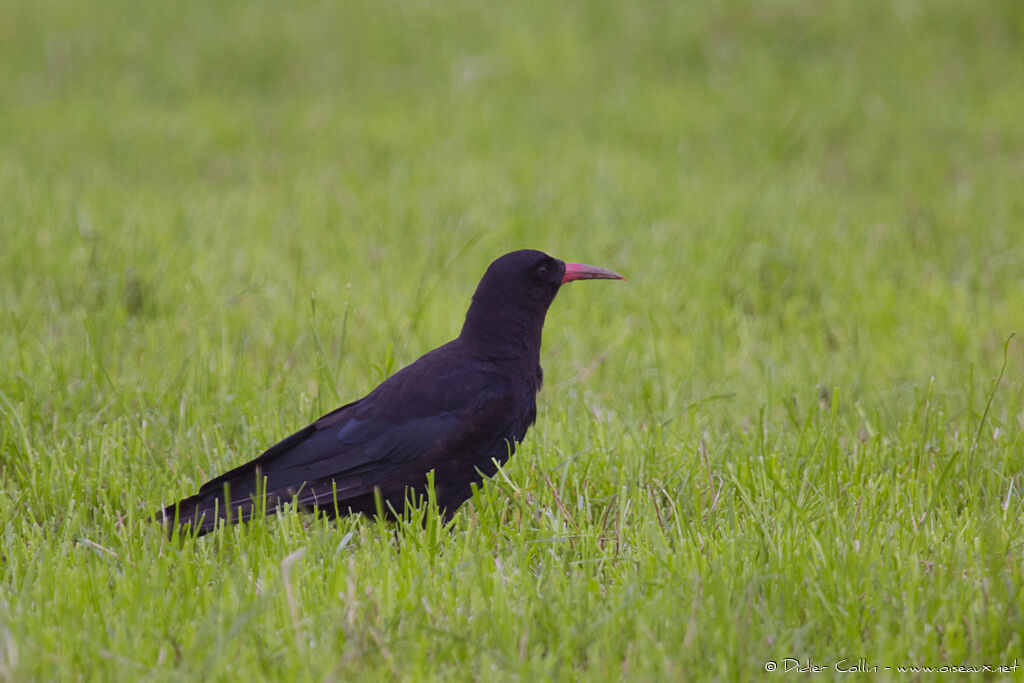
(458, 411)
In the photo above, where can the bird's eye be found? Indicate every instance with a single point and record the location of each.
(542, 270)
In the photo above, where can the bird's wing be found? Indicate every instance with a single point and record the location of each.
(397, 456)
(350, 452)
(431, 411)
(333, 464)
(338, 450)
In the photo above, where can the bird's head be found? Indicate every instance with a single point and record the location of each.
(518, 288)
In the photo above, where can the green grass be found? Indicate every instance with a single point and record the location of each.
(796, 431)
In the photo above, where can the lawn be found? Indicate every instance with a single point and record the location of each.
(794, 436)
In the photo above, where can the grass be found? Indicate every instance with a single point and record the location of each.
(796, 432)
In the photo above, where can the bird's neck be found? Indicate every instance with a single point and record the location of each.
(501, 332)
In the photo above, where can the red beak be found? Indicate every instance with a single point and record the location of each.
(581, 271)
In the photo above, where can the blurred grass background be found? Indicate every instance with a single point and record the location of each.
(222, 219)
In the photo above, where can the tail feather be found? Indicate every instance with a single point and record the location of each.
(203, 512)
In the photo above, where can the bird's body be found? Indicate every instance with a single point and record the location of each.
(458, 411)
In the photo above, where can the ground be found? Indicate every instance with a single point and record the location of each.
(792, 438)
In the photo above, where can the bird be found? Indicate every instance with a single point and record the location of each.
(458, 411)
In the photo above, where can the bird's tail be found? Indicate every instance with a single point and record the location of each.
(204, 512)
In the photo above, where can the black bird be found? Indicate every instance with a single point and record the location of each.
(457, 410)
